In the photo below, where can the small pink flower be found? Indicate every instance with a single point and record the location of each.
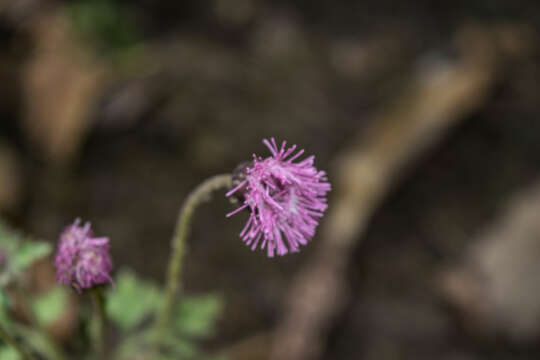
(285, 198)
(82, 260)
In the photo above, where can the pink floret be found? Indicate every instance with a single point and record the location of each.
(285, 199)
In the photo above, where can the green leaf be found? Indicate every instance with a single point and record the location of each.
(5, 304)
(38, 340)
(8, 353)
(49, 307)
(4, 299)
(19, 252)
(140, 346)
(107, 24)
(131, 300)
(29, 252)
(197, 315)
(181, 348)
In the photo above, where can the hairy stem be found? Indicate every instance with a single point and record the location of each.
(10, 340)
(98, 330)
(174, 275)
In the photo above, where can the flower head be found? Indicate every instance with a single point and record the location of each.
(285, 199)
(82, 260)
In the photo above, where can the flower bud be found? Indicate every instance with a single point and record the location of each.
(82, 260)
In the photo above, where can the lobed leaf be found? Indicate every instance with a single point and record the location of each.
(49, 307)
(197, 315)
(18, 253)
(8, 353)
(131, 300)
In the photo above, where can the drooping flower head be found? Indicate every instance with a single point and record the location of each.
(285, 199)
(82, 260)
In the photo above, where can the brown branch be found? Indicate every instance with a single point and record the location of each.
(442, 96)
(496, 286)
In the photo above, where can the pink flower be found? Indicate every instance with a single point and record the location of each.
(82, 260)
(285, 199)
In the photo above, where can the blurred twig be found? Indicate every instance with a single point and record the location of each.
(252, 348)
(443, 94)
(60, 85)
(495, 287)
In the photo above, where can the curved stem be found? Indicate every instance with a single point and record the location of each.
(174, 275)
(10, 340)
(98, 332)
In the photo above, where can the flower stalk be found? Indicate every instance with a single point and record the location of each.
(181, 233)
(99, 321)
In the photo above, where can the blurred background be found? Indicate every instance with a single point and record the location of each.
(424, 114)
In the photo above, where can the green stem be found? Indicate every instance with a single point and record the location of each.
(98, 333)
(174, 275)
(10, 340)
